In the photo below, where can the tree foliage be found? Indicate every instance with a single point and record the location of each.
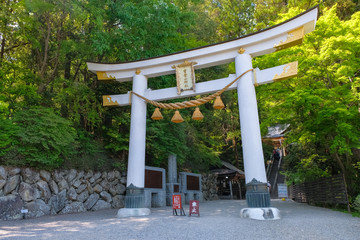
(322, 103)
(50, 104)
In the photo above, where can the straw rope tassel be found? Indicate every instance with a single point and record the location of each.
(191, 103)
(177, 118)
(197, 115)
(218, 103)
(156, 115)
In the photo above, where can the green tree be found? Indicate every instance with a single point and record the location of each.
(322, 103)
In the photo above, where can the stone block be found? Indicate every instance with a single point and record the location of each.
(57, 202)
(71, 176)
(30, 176)
(57, 176)
(53, 187)
(28, 193)
(117, 174)
(106, 196)
(118, 201)
(97, 175)
(82, 197)
(77, 183)
(72, 195)
(89, 188)
(14, 171)
(98, 188)
(81, 188)
(44, 190)
(80, 174)
(45, 175)
(105, 184)
(3, 173)
(11, 184)
(2, 183)
(90, 202)
(10, 207)
(111, 176)
(74, 207)
(63, 184)
(37, 208)
(89, 174)
(101, 204)
(123, 180)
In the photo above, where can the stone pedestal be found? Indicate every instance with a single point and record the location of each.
(257, 194)
(190, 186)
(260, 213)
(134, 203)
(258, 201)
(133, 212)
(135, 197)
(155, 187)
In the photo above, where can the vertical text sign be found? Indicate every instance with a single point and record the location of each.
(194, 207)
(177, 202)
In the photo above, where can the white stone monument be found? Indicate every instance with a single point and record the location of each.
(240, 50)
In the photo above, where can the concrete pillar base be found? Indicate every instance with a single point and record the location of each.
(134, 197)
(257, 195)
(260, 213)
(133, 212)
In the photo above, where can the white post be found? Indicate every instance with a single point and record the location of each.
(136, 161)
(135, 198)
(257, 195)
(249, 121)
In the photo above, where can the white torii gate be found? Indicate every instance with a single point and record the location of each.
(240, 50)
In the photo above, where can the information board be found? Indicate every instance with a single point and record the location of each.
(282, 190)
(177, 205)
(176, 201)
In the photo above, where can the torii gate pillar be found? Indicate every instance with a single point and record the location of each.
(257, 195)
(135, 198)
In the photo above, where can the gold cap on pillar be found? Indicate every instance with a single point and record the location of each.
(197, 115)
(177, 118)
(218, 104)
(157, 115)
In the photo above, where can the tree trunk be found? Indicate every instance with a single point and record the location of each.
(2, 50)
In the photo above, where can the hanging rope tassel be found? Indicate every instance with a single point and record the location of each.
(191, 103)
(177, 118)
(197, 115)
(156, 115)
(218, 103)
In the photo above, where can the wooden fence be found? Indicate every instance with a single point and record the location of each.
(331, 190)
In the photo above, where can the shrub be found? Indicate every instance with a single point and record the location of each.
(44, 138)
(356, 203)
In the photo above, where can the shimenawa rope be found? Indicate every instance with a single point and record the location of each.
(191, 103)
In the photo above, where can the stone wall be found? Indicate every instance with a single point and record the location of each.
(209, 190)
(58, 192)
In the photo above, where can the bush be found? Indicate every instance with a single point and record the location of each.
(44, 138)
(8, 131)
(356, 203)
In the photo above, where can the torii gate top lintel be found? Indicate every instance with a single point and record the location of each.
(280, 36)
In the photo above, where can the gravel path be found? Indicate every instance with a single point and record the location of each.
(218, 220)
